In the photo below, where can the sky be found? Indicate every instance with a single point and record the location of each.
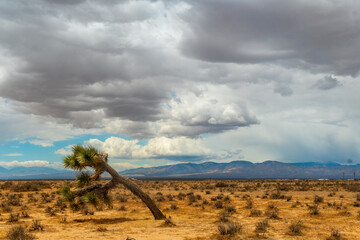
(163, 82)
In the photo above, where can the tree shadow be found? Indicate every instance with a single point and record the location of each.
(105, 220)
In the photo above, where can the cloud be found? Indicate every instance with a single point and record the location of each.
(117, 83)
(65, 151)
(13, 154)
(191, 114)
(34, 163)
(125, 165)
(156, 148)
(326, 83)
(283, 90)
(36, 130)
(318, 36)
(191, 70)
(96, 73)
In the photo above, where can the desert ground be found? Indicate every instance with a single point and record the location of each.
(196, 210)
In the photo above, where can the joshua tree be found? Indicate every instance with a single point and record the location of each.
(90, 189)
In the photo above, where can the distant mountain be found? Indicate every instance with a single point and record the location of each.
(232, 170)
(247, 170)
(35, 173)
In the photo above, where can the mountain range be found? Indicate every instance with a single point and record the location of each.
(231, 170)
(248, 170)
(18, 173)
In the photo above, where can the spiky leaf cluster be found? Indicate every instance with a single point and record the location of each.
(91, 198)
(83, 179)
(67, 193)
(80, 158)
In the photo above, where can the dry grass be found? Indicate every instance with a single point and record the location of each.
(201, 209)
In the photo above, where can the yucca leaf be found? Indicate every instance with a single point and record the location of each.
(83, 179)
(67, 193)
(91, 198)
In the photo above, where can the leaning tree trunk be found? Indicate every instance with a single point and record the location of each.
(117, 178)
(103, 166)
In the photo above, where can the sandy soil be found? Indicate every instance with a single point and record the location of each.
(197, 216)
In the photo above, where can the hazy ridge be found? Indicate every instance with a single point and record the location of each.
(234, 170)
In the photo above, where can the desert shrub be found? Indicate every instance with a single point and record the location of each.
(36, 226)
(192, 198)
(332, 194)
(101, 229)
(122, 208)
(24, 215)
(221, 185)
(271, 205)
(229, 228)
(272, 213)
(31, 198)
(218, 204)
(174, 207)
(13, 199)
(261, 227)
(13, 217)
(45, 198)
(358, 197)
(230, 209)
(353, 187)
(6, 185)
(345, 213)
(87, 211)
(121, 198)
(284, 187)
(318, 199)
(205, 202)
(6, 207)
(334, 235)
(31, 186)
(220, 196)
(277, 195)
(255, 213)
(314, 210)
(63, 219)
(170, 197)
(160, 198)
(224, 216)
(181, 196)
(249, 203)
(227, 199)
(19, 233)
(207, 192)
(356, 204)
(168, 222)
(60, 203)
(296, 227)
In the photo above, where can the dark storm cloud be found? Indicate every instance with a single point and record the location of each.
(66, 75)
(283, 90)
(314, 35)
(90, 63)
(85, 61)
(326, 83)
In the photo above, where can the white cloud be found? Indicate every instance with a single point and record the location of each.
(34, 163)
(159, 147)
(33, 129)
(13, 154)
(65, 151)
(149, 69)
(125, 165)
